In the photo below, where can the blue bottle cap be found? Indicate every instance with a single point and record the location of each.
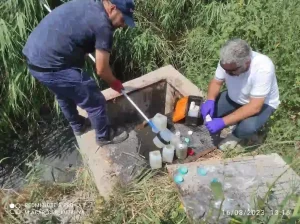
(201, 171)
(183, 170)
(214, 180)
(178, 179)
(187, 140)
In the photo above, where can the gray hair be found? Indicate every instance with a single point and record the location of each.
(235, 51)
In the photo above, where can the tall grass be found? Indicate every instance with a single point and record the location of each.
(186, 34)
(20, 95)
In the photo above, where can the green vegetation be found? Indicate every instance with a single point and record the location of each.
(186, 34)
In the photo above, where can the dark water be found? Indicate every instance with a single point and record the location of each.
(50, 151)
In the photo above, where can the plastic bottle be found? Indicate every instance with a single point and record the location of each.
(168, 153)
(160, 122)
(193, 111)
(181, 150)
(190, 137)
(192, 105)
(175, 140)
(155, 159)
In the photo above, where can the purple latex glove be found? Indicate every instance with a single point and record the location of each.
(208, 108)
(216, 125)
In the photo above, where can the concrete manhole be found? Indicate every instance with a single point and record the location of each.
(155, 92)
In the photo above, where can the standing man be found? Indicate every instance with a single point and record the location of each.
(251, 97)
(55, 53)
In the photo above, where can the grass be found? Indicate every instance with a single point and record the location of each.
(143, 201)
(151, 199)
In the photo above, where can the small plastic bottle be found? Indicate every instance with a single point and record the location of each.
(155, 159)
(190, 137)
(168, 153)
(181, 150)
(193, 111)
(192, 105)
(175, 140)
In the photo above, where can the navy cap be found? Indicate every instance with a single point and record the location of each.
(127, 8)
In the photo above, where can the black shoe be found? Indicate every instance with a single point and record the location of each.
(85, 127)
(115, 136)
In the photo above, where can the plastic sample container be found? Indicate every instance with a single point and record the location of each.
(168, 153)
(163, 138)
(181, 150)
(155, 159)
(195, 119)
(160, 122)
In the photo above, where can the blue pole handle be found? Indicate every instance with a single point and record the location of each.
(152, 126)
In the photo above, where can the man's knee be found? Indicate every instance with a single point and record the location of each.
(246, 128)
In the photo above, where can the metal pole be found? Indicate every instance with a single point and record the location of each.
(124, 93)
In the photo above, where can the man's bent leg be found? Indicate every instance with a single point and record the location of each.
(247, 128)
(78, 123)
(68, 107)
(251, 125)
(89, 97)
(93, 101)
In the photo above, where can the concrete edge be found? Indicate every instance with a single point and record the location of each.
(168, 73)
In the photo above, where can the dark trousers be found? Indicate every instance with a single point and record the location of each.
(249, 126)
(74, 87)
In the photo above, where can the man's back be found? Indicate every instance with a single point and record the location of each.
(69, 32)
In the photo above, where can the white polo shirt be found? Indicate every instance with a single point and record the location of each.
(259, 81)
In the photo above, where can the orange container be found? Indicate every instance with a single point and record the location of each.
(180, 109)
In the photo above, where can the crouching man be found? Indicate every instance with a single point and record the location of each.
(251, 97)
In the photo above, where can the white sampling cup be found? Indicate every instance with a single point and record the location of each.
(160, 122)
(163, 138)
(155, 159)
(168, 153)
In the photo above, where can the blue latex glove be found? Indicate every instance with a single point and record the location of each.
(208, 108)
(216, 125)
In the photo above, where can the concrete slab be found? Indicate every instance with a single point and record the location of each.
(155, 92)
(243, 180)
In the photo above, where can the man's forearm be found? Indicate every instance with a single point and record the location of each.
(240, 114)
(213, 89)
(107, 75)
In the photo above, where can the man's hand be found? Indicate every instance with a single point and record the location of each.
(117, 86)
(216, 125)
(208, 108)
(248, 110)
(213, 90)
